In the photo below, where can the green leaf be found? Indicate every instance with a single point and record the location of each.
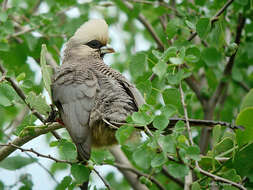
(247, 100)
(243, 162)
(58, 167)
(178, 170)
(9, 93)
(142, 157)
(4, 46)
(179, 127)
(196, 186)
(192, 51)
(217, 132)
(190, 25)
(67, 150)
(245, 119)
(176, 60)
(171, 30)
(160, 69)
(171, 96)
(145, 87)
(158, 160)
(193, 152)
(232, 175)
(38, 103)
(146, 181)
(16, 162)
(123, 133)
(64, 183)
(46, 70)
(27, 121)
(176, 78)
(168, 53)
(101, 156)
(160, 122)
(138, 65)
(168, 111)
(168, 143)
(3, 16)
(224, 145)
(20, 77)
(211, 56)
(80, 173)
(1, 185)
(203, 26)
(141, 118)
(242, 2)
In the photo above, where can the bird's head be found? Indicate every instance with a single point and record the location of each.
(91, 38)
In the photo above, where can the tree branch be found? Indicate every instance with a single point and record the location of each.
(19, 141)
(121, 159)
(149, 27)
(104, 181)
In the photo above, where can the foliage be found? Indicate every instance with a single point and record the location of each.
(213, 66)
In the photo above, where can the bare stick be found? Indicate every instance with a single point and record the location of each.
(149, 27)
(104, 181)
(19, 141)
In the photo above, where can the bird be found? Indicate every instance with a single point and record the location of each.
(92, 97)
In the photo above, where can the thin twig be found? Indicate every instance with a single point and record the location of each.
(215, 17)
(214, 177)
(21, 32)
(19, 141)
(138, 173)
(104, 181)
(37, 153)
(149, 27)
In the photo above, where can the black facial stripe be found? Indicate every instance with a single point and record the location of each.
(95, 44)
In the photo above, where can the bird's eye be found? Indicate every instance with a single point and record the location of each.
(95, 44)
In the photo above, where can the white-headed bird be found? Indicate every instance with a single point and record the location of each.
(91, 97)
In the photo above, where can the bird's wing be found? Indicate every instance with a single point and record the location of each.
(74, 94)
(133, 92)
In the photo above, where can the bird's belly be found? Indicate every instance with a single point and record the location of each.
(102, 135)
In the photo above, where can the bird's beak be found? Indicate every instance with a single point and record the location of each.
(106, 49)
